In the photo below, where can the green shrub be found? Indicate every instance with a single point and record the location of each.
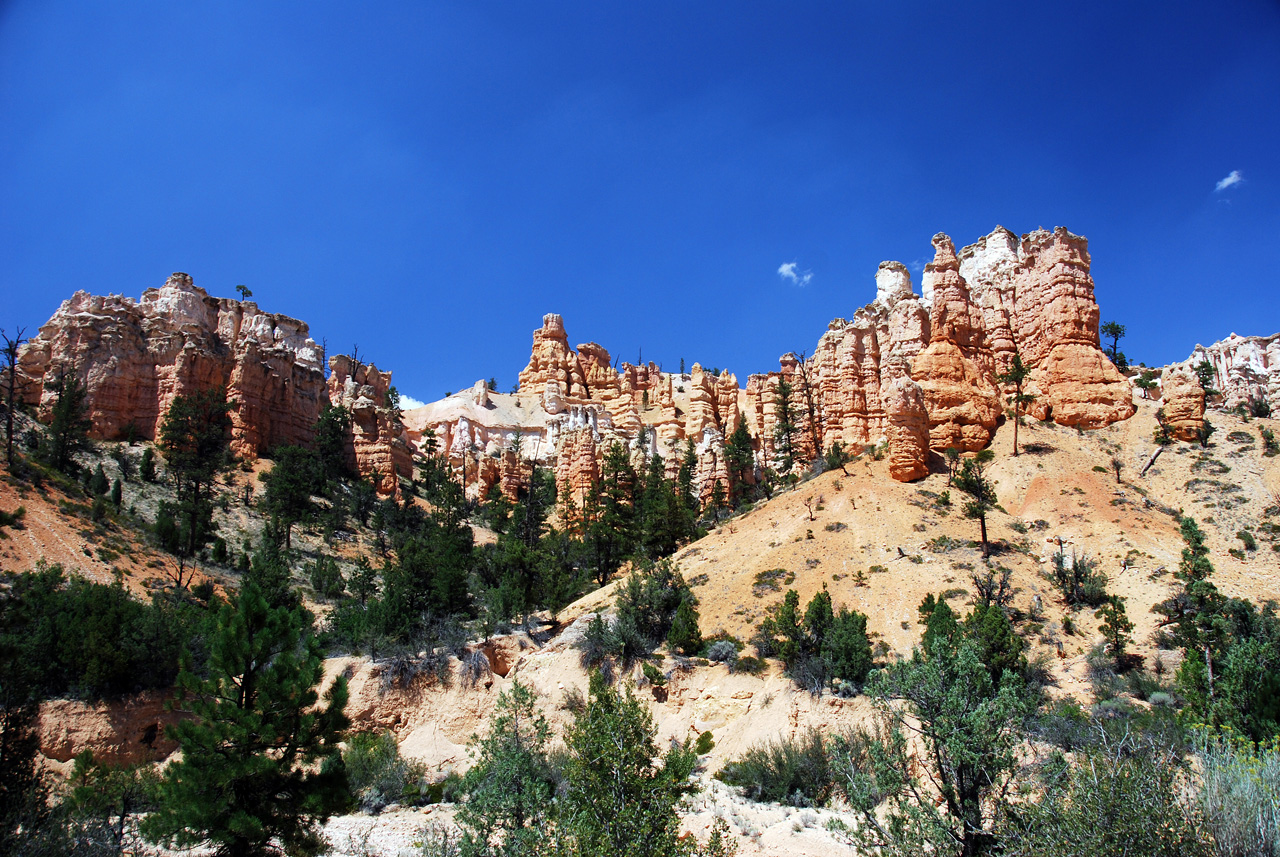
(793, 771)
(706, 743)
(1240, 794)
(1078, 579)
(379, 776)
(722, 652)
(653, 674)
(748, 664)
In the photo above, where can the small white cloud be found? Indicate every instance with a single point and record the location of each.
(917, 265)
(791, 272)
(408, 403)
(1233, 178)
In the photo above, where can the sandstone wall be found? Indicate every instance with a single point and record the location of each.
(1245, 368)
(913, 372)
(378, 445)
(135, 357)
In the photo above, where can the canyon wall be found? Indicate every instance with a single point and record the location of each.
(1245, 368)
(135, 357)
(911, 372)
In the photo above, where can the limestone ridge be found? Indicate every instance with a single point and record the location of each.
(916, 372)
(135, 357)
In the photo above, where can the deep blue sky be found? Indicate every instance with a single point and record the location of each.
(428, 179)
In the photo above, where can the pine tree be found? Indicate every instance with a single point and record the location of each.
(740, 461)
(1116, 626)
(295, 477)
(11, 387)
(847, 649)
(193, 437)
(509, 788)
(1015, 378)
(147, 467)
(612, 535)
(982, 494)
(684, 636)
(258, 757)
(332, 430)
(1115, 332)
(620, 802)
(785, 428)
(68, 432)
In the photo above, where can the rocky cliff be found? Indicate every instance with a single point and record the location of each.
(912, 372)
(135, 357)
(378, 445)
(1246, 368)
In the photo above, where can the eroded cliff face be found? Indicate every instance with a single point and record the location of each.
(1183, 403)
(135, 357)
(1246, 368)
(912, 372)
(377, 446)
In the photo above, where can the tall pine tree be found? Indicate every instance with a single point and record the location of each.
(258, 756)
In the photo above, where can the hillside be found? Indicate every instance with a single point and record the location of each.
(878, 545)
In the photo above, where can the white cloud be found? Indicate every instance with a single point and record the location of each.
(1233, 178)
(791, 272)
(408, 403)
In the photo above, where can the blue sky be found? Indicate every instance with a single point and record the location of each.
(428, 179)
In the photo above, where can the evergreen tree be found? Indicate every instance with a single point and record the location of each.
(620, 802)
(785, 428)
(1146, 382)
(509, 787)
(1115, 332)
(1015, 377)
(996, 641)
(952, 456)
(295, 477)
(684, 636)
(612, 534)
(740, 461)
(847, 648)
(11, 387)
(258, 756)
(193, 437)
(147, 467)
(332, 429)
(968, 731)
(98, 484)
(811, 408)
(68, 432)
(982, 494)
(1115, 626)
(117, 494)
(1206, 375)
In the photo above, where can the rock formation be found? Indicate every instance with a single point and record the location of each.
(135, 357)
(904, 363)
(956, 370)
(1246, 368)
(908, 422)
(1183, 405)
(378, 445)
